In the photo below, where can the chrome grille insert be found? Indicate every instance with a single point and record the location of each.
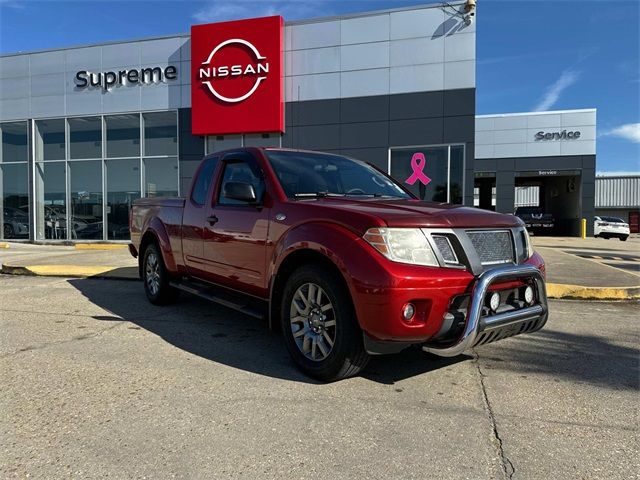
(445, 248)
(494, 247)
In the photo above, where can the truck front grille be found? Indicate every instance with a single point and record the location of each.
(493, 247)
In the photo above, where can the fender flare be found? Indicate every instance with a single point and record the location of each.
(157, 228)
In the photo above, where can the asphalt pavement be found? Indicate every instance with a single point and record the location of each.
(99, 383)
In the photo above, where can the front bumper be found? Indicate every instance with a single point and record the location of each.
(480, 329)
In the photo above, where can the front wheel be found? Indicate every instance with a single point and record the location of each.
(624, 238)
(156, 278)
(319, 325)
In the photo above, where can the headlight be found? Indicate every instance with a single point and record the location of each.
(405, 245)
(528, 248)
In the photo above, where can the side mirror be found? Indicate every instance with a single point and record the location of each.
(240, 191)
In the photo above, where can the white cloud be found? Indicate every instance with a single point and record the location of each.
(215, 11)
(552, 95)
(629, 131)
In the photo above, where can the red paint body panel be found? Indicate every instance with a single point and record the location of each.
(245, 249)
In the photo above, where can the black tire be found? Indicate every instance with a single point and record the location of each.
(347, 356)
(624, 238)
(8, 231)
(155, 278)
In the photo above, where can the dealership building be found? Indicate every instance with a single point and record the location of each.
(87, 130)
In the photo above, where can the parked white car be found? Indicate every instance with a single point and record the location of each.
(610, 227)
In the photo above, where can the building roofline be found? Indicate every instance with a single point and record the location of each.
(550, 112)
(287, 23)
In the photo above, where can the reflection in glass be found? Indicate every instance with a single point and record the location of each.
(435, 168)
(161, 177)
(85, 182)
(123, 135)
(85, 137)
(160, 133)
(456, 174)
(51, 211)
(14, 200)
(50, 139)
(123, 187)
(14, 142)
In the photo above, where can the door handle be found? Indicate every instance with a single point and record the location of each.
(212, 220)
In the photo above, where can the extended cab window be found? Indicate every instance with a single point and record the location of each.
(204, 181)
(240, 171)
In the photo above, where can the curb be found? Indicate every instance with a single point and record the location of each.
(99, 246)
(579, 292)
(72, 271)
(554, 290)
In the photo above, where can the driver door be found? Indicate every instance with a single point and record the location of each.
(235, 231)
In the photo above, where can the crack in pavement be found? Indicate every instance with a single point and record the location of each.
(507, 466)
(42, 346)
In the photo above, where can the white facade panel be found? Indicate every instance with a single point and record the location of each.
(123, 99)
(364, 29)
(416, 51)
(84, 102)
(485, 151)
(51, 106)
(417, 78)
(510, 136)
(11, 88)
(459, 75)
(47, 62)
(361, 83)
(316, 60)
(314, 87)
(51, 84)
(544, 121)
(185, 96)
(509, 150)
(426, 22)
(160, 97)
(461, 46)
(504, 132)
(165, 50)
(89, 59)
(364, 56)
(17, 109)
(484, 137)
(121, 54)
(14, 66)
(315, 35)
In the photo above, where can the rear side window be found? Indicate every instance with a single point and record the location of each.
(204, 181)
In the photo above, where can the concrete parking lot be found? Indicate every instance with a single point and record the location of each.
(98, 383)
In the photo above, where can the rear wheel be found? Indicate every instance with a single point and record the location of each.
(624, 238)
(319, 325)
(156, 278)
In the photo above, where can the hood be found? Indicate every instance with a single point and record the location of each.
(416, 213)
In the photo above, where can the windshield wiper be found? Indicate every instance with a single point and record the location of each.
(318, 194)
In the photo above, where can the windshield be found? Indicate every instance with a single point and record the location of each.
(612, 219)
(308, 174)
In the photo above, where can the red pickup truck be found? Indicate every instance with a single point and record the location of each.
(340, 257)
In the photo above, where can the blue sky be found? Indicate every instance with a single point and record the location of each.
(530, 54)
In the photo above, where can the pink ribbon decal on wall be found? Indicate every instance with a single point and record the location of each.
(418, 162)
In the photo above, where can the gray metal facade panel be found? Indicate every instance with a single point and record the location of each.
(363, 109)
(617, 192)
(369, 134)
(419, 131)
(417, 105)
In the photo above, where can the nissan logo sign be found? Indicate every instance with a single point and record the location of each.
(563, 135)
(209, 72)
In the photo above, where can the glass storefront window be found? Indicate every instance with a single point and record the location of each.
(160, 133)
(443, 165)
(15, 142)
(85, 138)
(14, 200)
(123, 135)
(50, 142)
(85, 183)
(123, 187)
(161, 177)
(51, 205)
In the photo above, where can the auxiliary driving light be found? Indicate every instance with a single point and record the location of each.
(494, 301)
(528, 295)
(408, 311)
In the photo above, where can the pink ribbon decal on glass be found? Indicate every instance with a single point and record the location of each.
(418, 162)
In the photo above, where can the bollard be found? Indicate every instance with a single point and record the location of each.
(583, 229)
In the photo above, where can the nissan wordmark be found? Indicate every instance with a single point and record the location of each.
(340, 257)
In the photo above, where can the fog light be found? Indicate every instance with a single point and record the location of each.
(494, 301)
(528, 295)
(408, 311)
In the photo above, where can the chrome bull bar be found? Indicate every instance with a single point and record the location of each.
(479, 329)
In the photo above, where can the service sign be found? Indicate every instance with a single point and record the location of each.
(237, 75)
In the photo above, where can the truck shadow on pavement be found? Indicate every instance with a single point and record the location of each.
(228, 337)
